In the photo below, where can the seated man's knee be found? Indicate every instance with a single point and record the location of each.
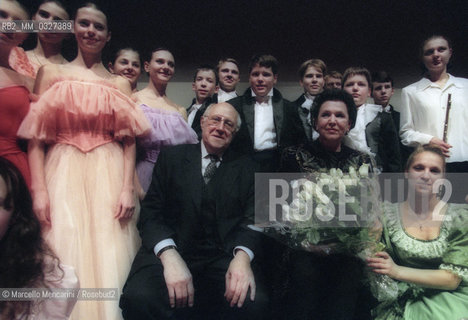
(144, 300)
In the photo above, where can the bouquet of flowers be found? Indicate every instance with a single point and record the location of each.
(331, 207)
(335, 212)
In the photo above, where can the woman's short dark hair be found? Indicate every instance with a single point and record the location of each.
(335, 95)
(22, 249)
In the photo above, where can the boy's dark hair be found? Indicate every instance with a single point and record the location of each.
(206, 67)
(381, 76)
(334, 74)
(264, 60)
(356, 71)
(316, 63)
(223, 60)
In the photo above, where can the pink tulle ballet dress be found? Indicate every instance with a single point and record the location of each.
(83, 123)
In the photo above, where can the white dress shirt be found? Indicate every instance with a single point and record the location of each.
(423, 112)
(307, 104)
(264, 124)
(309, 100)
(192, 112)
(356, 138)
(205, 157)
(224, 96)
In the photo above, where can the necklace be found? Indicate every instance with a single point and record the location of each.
(432, 218)
(39, 61)
(420, 222)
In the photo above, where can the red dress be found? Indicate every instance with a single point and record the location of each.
(14, 105)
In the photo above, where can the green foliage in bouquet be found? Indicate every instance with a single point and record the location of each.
(334, 208)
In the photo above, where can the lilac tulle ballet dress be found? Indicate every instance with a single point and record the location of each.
(169, 128)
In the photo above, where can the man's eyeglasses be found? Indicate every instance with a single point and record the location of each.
(214, 121)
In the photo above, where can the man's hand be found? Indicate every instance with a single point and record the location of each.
(239, 277)
(178, 279)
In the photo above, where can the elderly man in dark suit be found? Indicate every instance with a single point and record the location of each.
(196, 247)
(269, 122)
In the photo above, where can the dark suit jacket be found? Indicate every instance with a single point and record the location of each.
(288, 126)
(172, 206)
(405, 151)
(196, 121)
(306, 124)
(382, 139)
(214, 98)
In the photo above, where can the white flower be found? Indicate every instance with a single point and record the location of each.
(325, 175)
(305, 195)
(324, 212)
(364, 170)
(294, 184)
(309, 186)
(322, 197)
(336, 173)
(339, 173)
(352, 172)
(295, 203)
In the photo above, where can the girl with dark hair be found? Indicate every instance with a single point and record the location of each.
(168, 120)
(26, 261)
(426, 247)
(82, 185)
(48, 46)
(127, 63)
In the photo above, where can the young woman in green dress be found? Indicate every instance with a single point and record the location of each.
(427, 247)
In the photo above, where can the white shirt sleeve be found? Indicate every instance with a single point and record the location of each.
(246, 250)
(408, 133)
(162, 244)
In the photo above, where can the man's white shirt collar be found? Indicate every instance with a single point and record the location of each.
(225, 96)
